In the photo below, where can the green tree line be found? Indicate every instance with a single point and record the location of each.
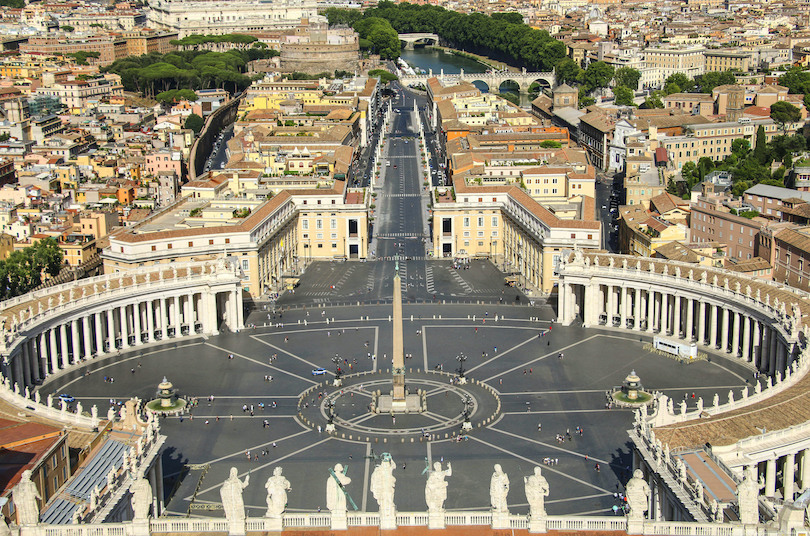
(24, 269)
(502, 37)
(155, 73)
(198, 39)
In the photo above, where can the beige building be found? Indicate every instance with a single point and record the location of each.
(272, 238)
(504, 224)
(718, 60)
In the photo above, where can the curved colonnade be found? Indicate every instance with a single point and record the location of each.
(757, 322)
(48, 331)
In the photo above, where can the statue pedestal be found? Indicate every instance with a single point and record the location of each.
(339, 521)
(337, 382)
(462, 380)
(330, 428)
(537, 524)
(466, 426)
(436, 520)
(635, 526)
(274, 524)
(140, 527)
(388, 521)
(236, 527)
(500, 520)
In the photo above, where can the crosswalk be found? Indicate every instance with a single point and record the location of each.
(429, 280)
(400, 195)
(466, 286)
(398, 235)
(403, 276)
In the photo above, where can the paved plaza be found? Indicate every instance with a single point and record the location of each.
(517, 356)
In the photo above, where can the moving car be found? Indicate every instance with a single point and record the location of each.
(318, 372)
(66, 397)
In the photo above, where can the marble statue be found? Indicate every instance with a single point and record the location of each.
(499, 488)
(700, 405)
(698, 492)
(111, 415)
(277, 487)
(50, 400)
(141, 498)
(638, 495)
(25, 496)
(747, 502)
(536, 492)
(717, 512)
(335, 490)
(436, 487)
(382, 486)
(37, 397)
(231, 494)
(716, 400)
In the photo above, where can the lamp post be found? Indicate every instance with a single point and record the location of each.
(461, 358)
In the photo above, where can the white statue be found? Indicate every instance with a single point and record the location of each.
(277, 487)
(747, 502)
(536, 492)
(700, 405)
(25, 496)
(231, 494)
(436, 487)
(382, 486)
(141, 499)
(499, 488)
(336, 490)
(638, 495)
(111, 414)
(698, 492)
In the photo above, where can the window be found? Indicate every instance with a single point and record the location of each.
(211, 242)
(227, 240)
(319, 224)
(191, 244)
(480, 221)
(245, 264)
(494, 221)
(466, 221)
(333, 223)
(154, 248)
(334, 245)
(305, 224)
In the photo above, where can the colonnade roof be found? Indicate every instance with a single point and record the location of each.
(787, 408)
(768, 291)
(45, 300)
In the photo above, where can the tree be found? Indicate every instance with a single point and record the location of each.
(67, 28)
(195, 123)
(624, 96)
(678, 82)
(567, 71)
(384, 39)
(383, 75)
(597, 75)
(761, 146)
(785, 113)
(175, 95)
(511, 18)
(627, 77)
(653, 101)
(690, 174)
(342, 17)
(708, 81)
(740, 147)
(797, 80)
(550, 144)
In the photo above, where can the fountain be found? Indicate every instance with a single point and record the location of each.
(631, 393)
(166, 400)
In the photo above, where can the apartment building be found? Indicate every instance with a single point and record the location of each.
(769, 200)
(711, 221)
(792, 257)
(718, 60)
(661, 62)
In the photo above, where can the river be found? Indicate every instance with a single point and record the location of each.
(435, 59)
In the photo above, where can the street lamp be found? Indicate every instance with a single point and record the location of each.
(461, 358)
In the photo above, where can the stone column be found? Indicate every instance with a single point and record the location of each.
(781, 356)
(735, 341)
(746, 338)
(562, 303)
(177, 316)
(240, 309)
(788, 476)
(774, 337)
(676, 321)
(715, 312)
(124, 326)
(587, 309)
(724, 330)
(54, 352)
(611, 303)
(702, 323)
(150, 320)
(110, 330)
(25, 357)
(86, 337)
(690, 319)
(164, 334)
(63, 345)
(74, 339)
(770, 478)
(756, 342)
(99, 335)
(36, 360)
(44, 351)
(650, 310)
(637, 310)
(622, 308)
(806, 468)
(136, 321)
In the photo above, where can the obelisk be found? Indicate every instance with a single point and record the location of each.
(398, 367)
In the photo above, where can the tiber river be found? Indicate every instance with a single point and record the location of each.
(428, 58)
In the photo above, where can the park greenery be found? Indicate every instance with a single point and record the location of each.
(13, 3)
(24, 269)
(175, 95)
(195, 40)
(383, 75)
(503, 37)
(81, 56)
(155, 73)
(748, 167)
